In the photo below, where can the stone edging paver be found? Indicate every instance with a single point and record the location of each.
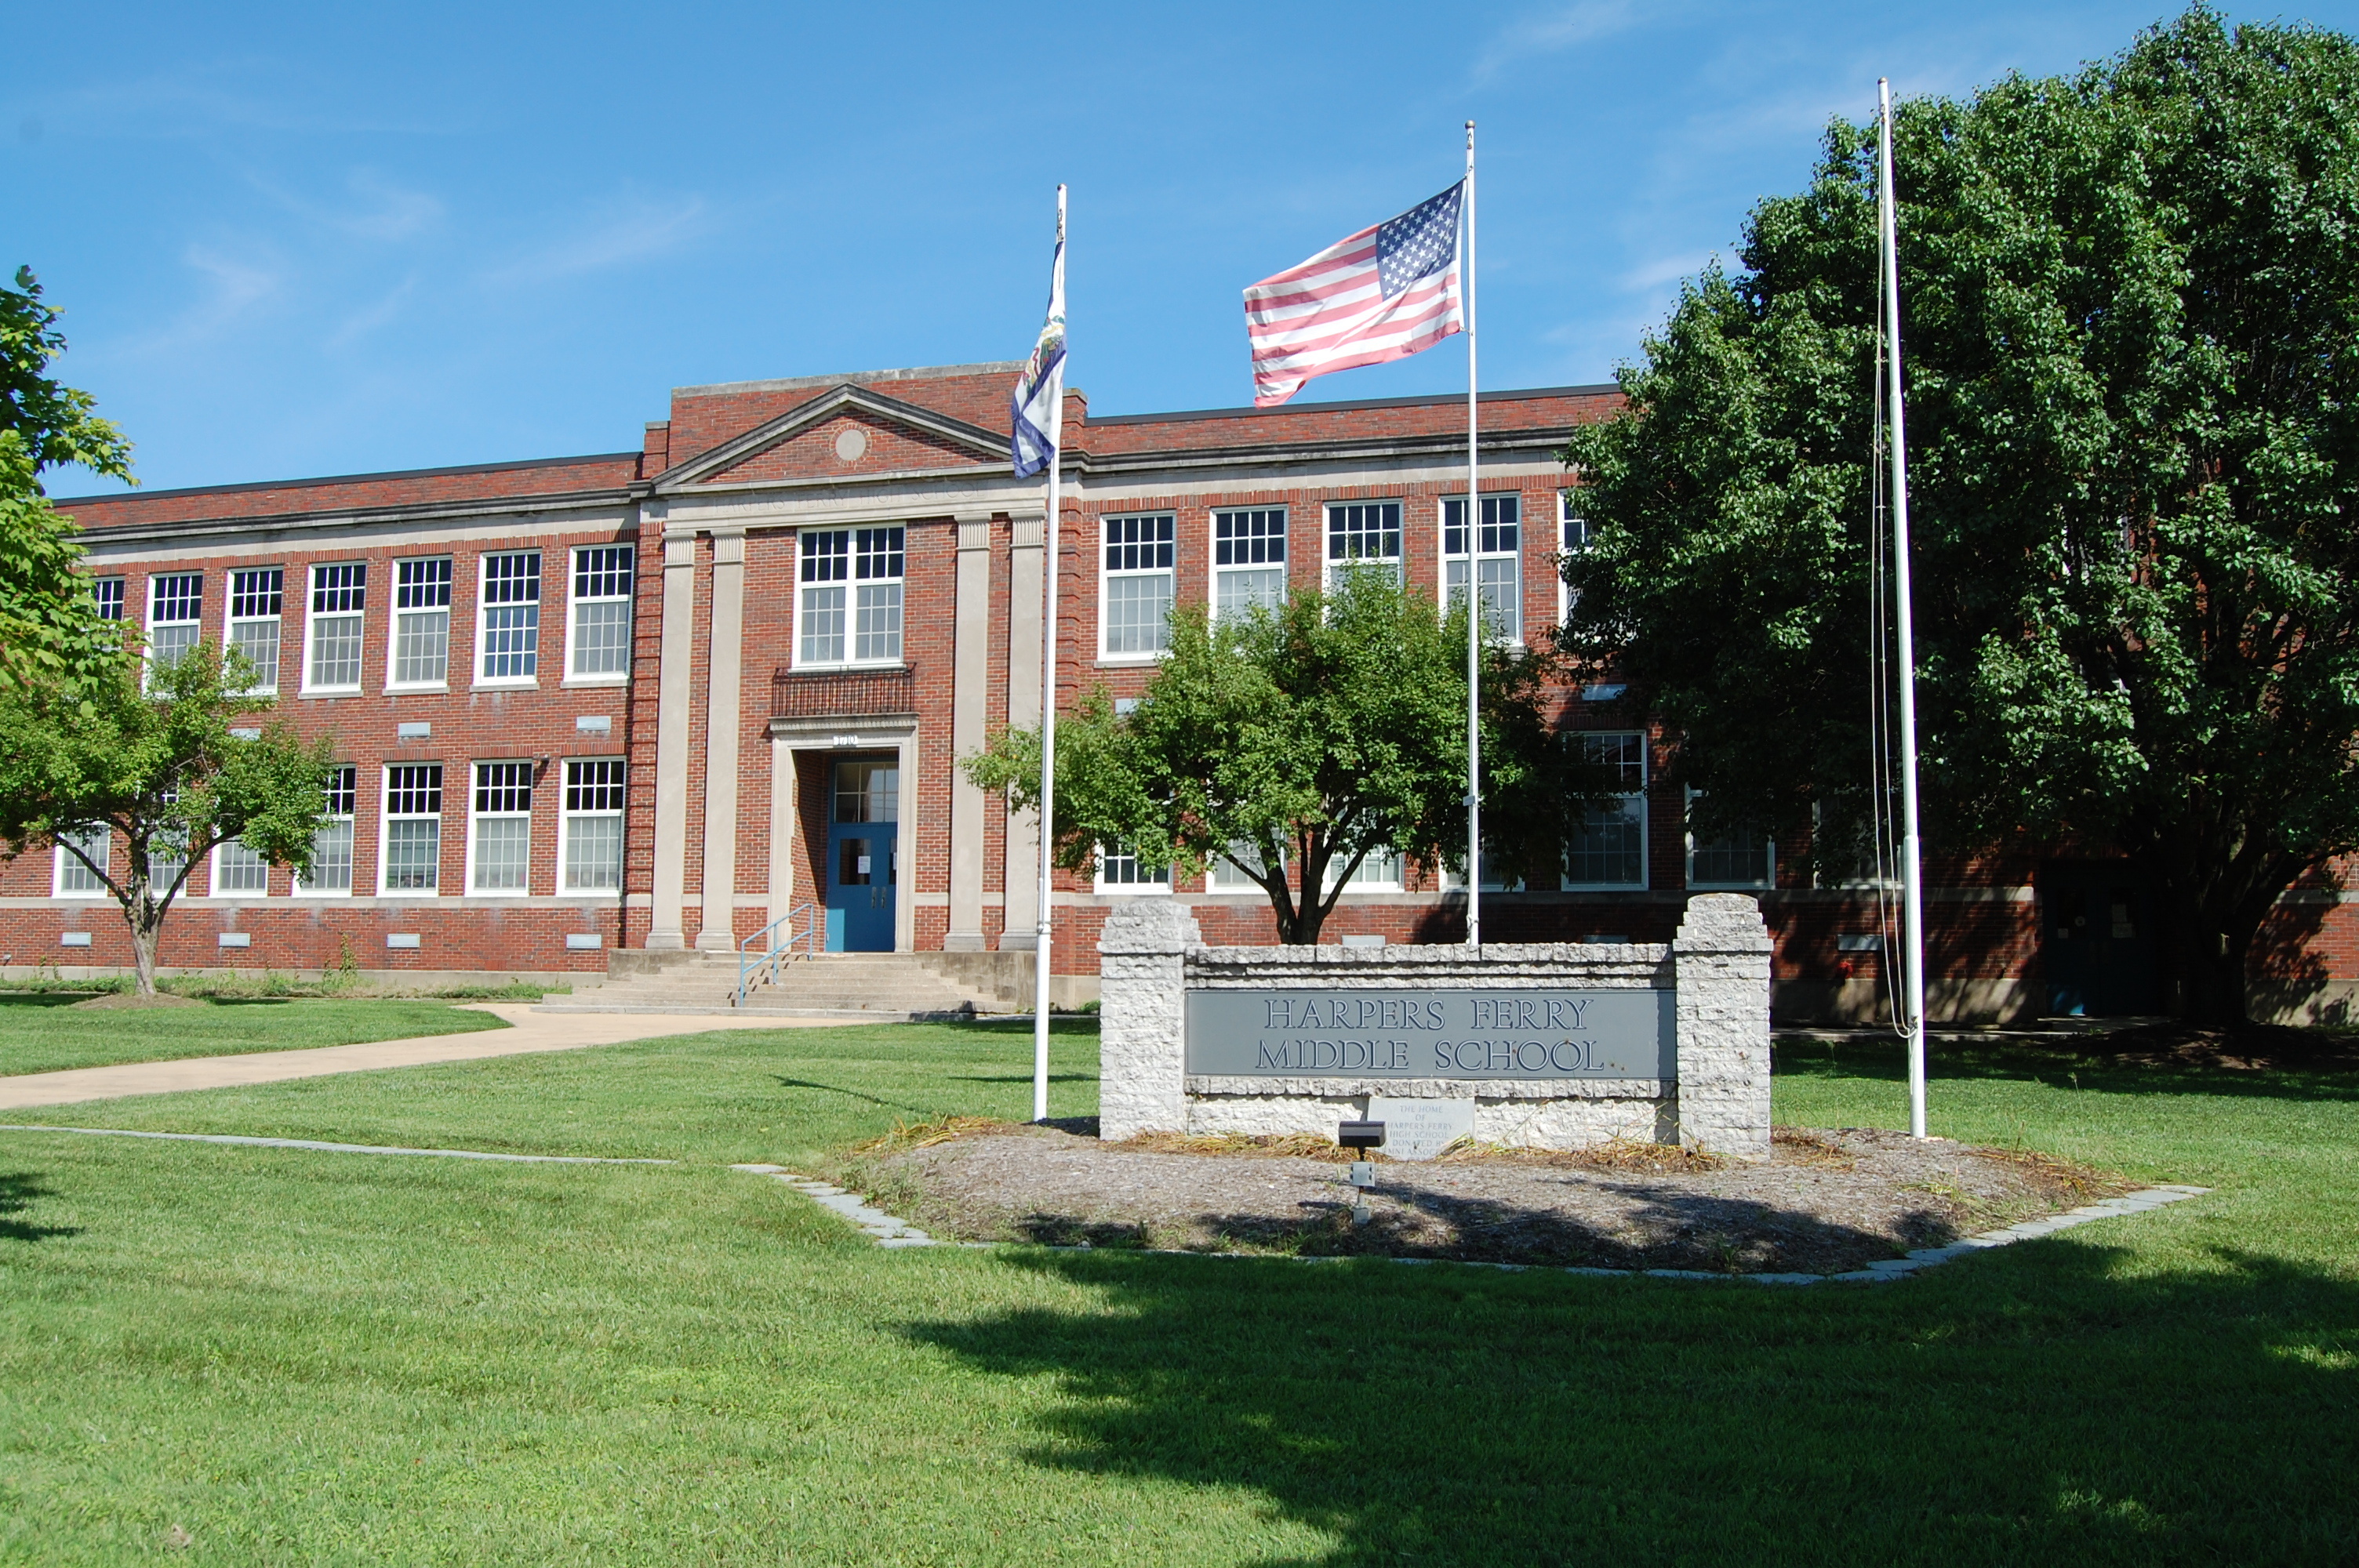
(888, 1231)
(345, 1148)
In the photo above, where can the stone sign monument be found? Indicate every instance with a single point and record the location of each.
(1549, 1045)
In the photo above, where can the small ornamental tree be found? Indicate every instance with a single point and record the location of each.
(169, 763)
(2131, 318)
(1293, 744)
(49, 629)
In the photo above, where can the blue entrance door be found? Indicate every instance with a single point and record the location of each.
(862, 867)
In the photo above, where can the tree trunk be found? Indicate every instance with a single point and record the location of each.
(2205, 950)
(142, 951)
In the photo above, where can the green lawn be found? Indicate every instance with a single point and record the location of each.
(42, 1031)
(301, 1357)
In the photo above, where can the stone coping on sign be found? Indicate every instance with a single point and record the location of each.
(1601, 965)
(1433, 1088)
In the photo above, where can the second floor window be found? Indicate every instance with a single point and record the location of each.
(106, 592)
(1363, 535)
(176, 603)
(413, 828)
(1498, 562)
(333, 636)
(511, 610)
(601, 637)
(1573, 537)
(421, 622)
(254, 600)
(1137, 595)
(1248, 560)
(851, 606)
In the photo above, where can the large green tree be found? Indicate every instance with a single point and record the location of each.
(49, 631)
(1294, 744)
(2131, 312)
(168, 761)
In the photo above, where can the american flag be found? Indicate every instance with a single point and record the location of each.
(1382, 294)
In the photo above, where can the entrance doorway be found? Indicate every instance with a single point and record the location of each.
(863, 858)
(2097, 946)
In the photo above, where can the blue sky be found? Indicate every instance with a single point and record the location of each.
(319, 239)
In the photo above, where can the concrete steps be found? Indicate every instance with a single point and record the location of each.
(874, 987)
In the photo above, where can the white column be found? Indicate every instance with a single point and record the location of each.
(1027, 582)
(785, 801)
(678, 654)
(1721, 959)
(1142, 1020)
(970, 688)
(721, 722)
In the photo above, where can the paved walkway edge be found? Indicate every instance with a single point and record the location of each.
(888, 1231)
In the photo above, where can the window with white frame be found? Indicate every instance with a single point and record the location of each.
(1378, 871)
(256, 598)
(1135, 594)
(1573, 537)
(1229, 873)
(510, 612)
(1495, 879)
(1609, 848)
(1363, 535)
(168, 852)
(176, 602)
(851, 596)
(1248, 560)
(332, 846)
(77, 875)
(238, 870)
(499, 857)
(331, 637)
(106, 593)
(1498, 562)
(421, 622)
(600, 639)
(1119, 870)
(413, 828)
(1739, 857)
(593, 826)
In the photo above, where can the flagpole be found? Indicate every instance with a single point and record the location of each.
(1473, 594)
(1048, 739)
(1911, 848)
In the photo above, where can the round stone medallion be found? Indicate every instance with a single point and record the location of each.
(851, 445)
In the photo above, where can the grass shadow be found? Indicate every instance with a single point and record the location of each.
(852, 1093)
(2048, 1407)
(18, 1191)
(2085, 1064)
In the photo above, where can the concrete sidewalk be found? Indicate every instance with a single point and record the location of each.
(530, 1030)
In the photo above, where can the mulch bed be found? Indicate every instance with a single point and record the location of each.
(1824, 1203)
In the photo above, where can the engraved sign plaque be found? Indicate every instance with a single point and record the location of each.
(1369, 1034)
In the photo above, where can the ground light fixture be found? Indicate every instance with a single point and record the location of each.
(1360, 1135)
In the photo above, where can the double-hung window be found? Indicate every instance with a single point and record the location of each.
(413, 828)
(851, 603)
(176, 602)
(1609, 848)
(600, 639)
(77, 875)
(593, 826)
(332, 846)
(239, 871)
(1120, 871)
(1573, 537)
(1363, 535)
(256, 599)
(1136, 592)
(331, 637)
(1497, 562)
(510, 608)
(167, 851)
(106, 594)
(1378, 871)
(1236, 871)
(1249, 561)
(422, 623)
(1738, 857)
(500, 857)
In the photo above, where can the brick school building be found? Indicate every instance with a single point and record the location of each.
(658, 700)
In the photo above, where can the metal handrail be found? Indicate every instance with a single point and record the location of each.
(775, 952)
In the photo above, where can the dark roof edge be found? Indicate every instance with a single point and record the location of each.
(343, 479)
(1601, 389)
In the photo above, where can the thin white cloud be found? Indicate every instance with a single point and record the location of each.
(371, 317)
(234, 288)
(635, 232)
(1552, 32)
(1651, 276)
